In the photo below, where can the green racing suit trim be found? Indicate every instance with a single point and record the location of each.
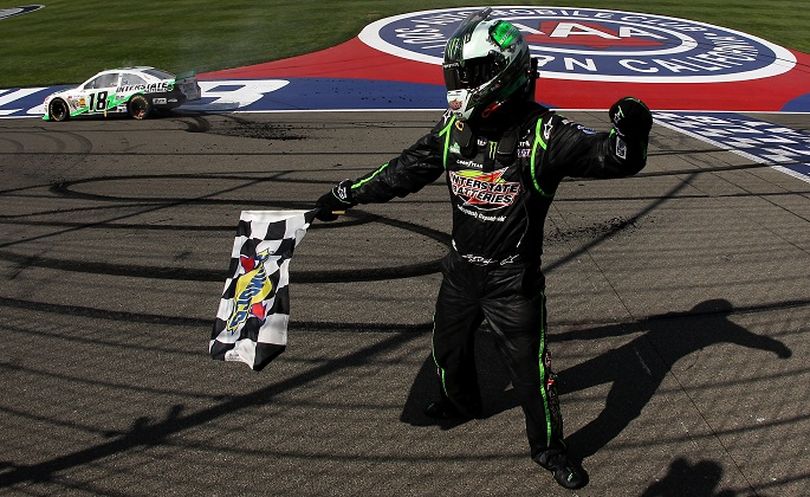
(538, 140)
(370, 177)
(436, 361)
(446, 132)
(542, 369)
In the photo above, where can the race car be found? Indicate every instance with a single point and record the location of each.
(133, 90)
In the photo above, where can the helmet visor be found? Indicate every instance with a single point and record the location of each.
(472, 73)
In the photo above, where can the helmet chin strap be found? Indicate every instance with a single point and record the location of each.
(529, 90)
(490, 109)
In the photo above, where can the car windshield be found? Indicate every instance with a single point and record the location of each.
(159, 74)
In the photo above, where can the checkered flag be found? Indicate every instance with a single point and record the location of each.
(251, 324)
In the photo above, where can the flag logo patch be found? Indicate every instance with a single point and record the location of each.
(251, 290)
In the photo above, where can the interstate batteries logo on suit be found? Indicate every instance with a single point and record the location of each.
(598, 44)
(485, 191)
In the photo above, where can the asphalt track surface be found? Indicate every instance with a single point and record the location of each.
(679, 311)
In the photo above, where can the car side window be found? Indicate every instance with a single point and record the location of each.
(132, 79)
(108, 80)
(93, 83)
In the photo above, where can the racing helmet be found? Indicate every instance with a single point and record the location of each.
(486, 62)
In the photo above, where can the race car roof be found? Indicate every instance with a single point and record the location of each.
(145, 69)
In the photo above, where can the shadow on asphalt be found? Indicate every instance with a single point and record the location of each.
(496, 392)
(635, 370)
(698, 480)
(148, 432)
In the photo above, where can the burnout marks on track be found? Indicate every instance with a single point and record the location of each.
(63, 189)
(245, 128)
(242, 128)
(197, 124)
(610, 228)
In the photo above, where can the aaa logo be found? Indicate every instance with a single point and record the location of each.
(598, 44)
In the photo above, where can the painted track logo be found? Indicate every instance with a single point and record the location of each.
(598, 44)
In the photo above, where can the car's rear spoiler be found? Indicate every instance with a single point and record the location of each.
(186, 75)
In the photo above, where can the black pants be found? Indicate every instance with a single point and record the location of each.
(511, 298)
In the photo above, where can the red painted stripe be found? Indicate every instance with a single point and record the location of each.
(355, 60)
(350, 60)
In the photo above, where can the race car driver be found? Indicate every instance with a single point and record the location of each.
(504, 157)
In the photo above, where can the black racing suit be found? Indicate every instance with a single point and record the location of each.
(502, 180)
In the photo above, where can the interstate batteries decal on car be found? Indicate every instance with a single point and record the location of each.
(598, 44)
(485, 191)
(162, 87)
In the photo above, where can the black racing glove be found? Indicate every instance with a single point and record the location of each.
(335, 202)
(631, 117)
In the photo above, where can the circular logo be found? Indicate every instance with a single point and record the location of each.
(598, 44)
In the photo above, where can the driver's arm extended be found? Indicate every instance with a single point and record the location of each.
(417, 166)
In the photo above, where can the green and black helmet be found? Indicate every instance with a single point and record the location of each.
(486, 62)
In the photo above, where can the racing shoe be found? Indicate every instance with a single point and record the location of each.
(443, 409)
(566, 472)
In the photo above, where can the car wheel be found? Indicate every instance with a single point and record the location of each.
(58, 110)
(139, 107)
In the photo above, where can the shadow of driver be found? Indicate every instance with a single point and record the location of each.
(637, 368)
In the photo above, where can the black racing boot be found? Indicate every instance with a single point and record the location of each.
(566, 472)
(443, 409)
